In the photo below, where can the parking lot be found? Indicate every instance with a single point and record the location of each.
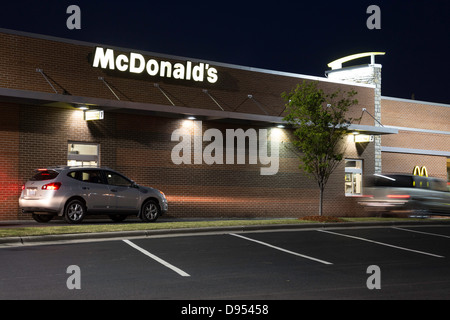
(335, 263)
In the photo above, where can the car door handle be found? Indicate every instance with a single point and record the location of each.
(85, 188)
(113, 190)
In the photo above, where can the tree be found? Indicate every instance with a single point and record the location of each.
(320, 124)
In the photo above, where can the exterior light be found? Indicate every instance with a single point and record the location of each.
(363, 138)
(90, 115)
(191, 118)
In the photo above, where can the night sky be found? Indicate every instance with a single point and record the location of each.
(293, 36)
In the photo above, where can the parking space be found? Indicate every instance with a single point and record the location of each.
(299, 264)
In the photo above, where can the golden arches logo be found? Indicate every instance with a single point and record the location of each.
(421, 172)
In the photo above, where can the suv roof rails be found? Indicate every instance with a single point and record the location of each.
(80, 167)
(52, 168)
(64, 167)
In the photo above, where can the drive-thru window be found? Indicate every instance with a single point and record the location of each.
(82, 154)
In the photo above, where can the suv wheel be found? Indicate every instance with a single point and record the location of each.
(150, 211)
(75, 211)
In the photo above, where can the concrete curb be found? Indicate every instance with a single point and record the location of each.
(30, 240)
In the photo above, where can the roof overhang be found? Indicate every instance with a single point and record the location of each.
(68, 101)
(371, 130)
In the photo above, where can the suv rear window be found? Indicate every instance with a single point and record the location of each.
(399, 181)
(91, 176)
(45, 175)
(407, 181)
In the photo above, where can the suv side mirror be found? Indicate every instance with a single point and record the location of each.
(134, 185)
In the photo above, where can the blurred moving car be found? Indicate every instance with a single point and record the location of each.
(407, 193)
(74, 192)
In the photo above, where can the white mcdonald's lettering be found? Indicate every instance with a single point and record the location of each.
(136, 63)
(421, 172)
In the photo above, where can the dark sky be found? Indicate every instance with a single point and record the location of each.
(293, 36)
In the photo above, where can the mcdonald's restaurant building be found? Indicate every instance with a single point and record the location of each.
(210, 135)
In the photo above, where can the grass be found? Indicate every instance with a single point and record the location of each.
(112, 227)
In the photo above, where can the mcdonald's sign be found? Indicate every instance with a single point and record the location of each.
(421, 172)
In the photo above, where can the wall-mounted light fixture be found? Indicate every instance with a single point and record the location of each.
(361, 138)
(90, 115)
(82, 107)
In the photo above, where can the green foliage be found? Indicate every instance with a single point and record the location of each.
(320, 124)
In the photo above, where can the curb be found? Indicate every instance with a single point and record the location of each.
(30, 240)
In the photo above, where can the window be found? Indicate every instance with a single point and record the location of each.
(44, 175)
(353, 177)
(117, 180)
(392, 181)
(91, 176)
(82, 154)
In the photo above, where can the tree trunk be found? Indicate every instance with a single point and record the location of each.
(321, 200)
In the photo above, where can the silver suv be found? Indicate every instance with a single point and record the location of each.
(74, 192)
(407, 193)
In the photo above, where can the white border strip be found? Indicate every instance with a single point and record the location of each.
(418, 130)
(383, 244)
(416, 151)
(415, 101)
(165, 263)
(281, 249)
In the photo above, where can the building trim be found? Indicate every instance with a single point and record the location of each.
(372, 130)
(419, 130)
(416, 101)
(416, 151)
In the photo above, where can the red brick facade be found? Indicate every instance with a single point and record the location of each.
(142, 151)
(433, 122)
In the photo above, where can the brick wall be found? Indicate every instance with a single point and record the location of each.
(412, 114)
(9, 159)
(139, 145)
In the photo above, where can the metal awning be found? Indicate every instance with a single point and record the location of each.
(371, 130)
(59, 100)
(170, 111)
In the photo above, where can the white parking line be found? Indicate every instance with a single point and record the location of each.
(383, 244)
(427, 233)
(165, 263)
(281, 249)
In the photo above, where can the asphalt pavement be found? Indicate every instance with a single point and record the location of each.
(333, 261)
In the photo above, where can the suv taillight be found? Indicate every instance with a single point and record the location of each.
(52, 186)
(399, 196)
